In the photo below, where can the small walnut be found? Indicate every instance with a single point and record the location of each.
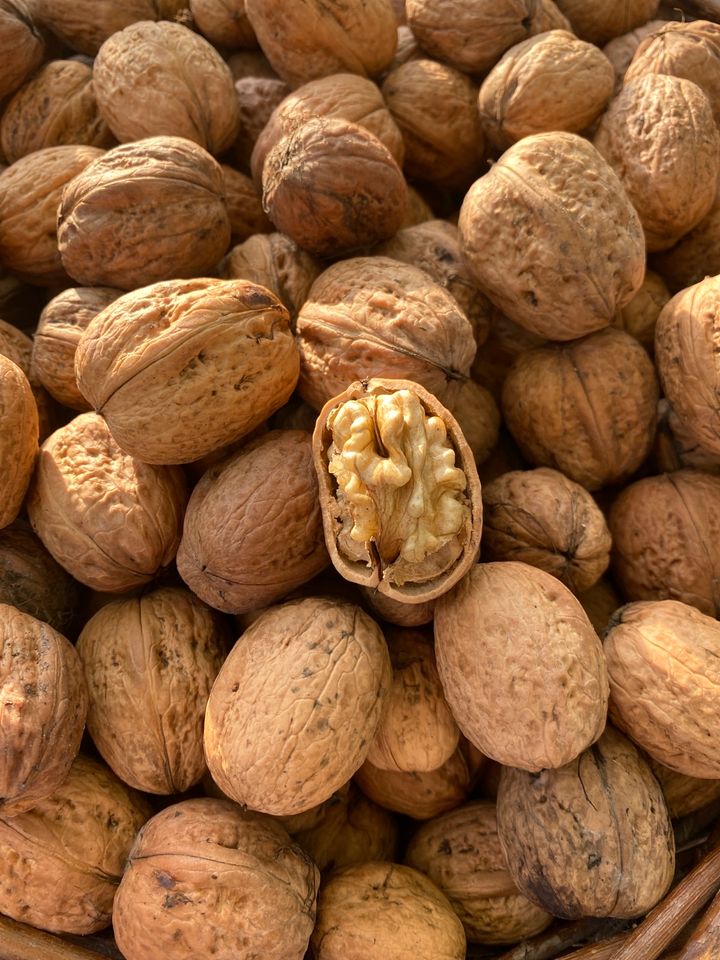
(224, 23)
(599, 603)
(601, 20)
(395, 611)
(684, 795)
(695, 256)
(244, 205)
(18, 439)
(257, 98)
(477, 415)
(676, 447)
(21, 45)
(639, 316)
(620, 50)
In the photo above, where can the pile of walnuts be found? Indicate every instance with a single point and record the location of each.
(359, 471)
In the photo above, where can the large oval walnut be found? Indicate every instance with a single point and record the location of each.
(603, 19)
(18, 439)
(21, 45)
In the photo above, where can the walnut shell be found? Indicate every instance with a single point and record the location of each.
(460, 852)
(620, 50)
(587, 408)
(21, 45)
(551, 237)
(407, 522)
(676, 447)
(599, 603)
(231, 558)
(19, 439)
(603, 19)
(295, 706)
(62, 860)
(224, 23)
(251, 63)
(417, 209)
(639, 316)
(257, 98)
(244, 204)
(182, 368)
(18, 347)
(477, 415)
(493, 362)
(110, 521)
(592, 839)
(333, 187)
(383, 911)
(684, 795)
(395, 611)
(695, 256)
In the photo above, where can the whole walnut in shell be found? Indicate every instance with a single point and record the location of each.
(603, 19)
(109, 520)
(257, 96)
(18, 440)
(695, 256)
(21, 45)
(599, 603)
(18, 347)
(244, 205)
(182, 368)
(591, 839)
(620, 50)
(397, 612)
(676, 447)
(224, 23)
(639, 316)
(551, 237)
(683, 794)
(587, 408)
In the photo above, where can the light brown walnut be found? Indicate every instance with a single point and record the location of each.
(18, 347)
(244, 204)
(599, 603)
(18, 440)
(639, 316)
(417, 209)
(684, 795)
(395, 611)
(695, 256)
(493, 361)
(21, 45)
(620, 50)
(477, 414)
(224, 23)
(257, 96)
(603, 19)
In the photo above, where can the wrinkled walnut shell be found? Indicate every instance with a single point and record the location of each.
(684, 795)
(620, 50)
(602, 19)
(676, 447)
(21, 45)
(224, 23)
(695, 256)
(18, 439)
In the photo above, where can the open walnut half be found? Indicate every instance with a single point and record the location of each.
(399, 490)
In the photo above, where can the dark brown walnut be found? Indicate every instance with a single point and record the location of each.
(551, 237)
(399, 491)
(44, 703)
(20, 303)
(18, 439)
(207, 878)
(676, 447)
(21, 45)
(537, 696)
(111, 521)
(477, 414)
(63, 860)
(374, 316)
(257, 96)
(603, 19)
(182, 368)
(460, 852)
(244, 205)
(311, 40)
(620, 50)
(695, 256)
(56, 106)
(161, 79)
(143, 212)
(253, 528)
(333, 187)
(504, 458)
(417, 209)
(251, 63)
(586, 408)
(542, 518)
(604, 819)
(599, 603)
(639, 316)
(472, 35)
(395, 611)
(296, 704)
(224, 23)
(383, 911)
(149, 663)
(684, 795)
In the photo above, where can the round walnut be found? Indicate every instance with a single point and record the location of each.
(205, 878)
(296, 704)
(374, 316)
(110, 521)
(18, 439)
(182, 368)
(43, 714)
(253, 528)
(224, 23)
(550, 82)
(587, 408)
(382, 911)
(257, 96)
(620, 50)
(684, 795)
(601, 20)
(551, 237)
(460, 852)
(604, 819)
(538, 695)
(695, 256)
(311, 40)
(143, 212)
(62, 860)
(21, 45)
(599, 603)
(395, 611)
(477, 415)
(666, 539)
(333, 187)
(676, 447)
(639, 317)
(399, 490)
(541, 518)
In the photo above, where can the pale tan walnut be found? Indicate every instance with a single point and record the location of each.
(435, 107)
(599, 603)
(620, 50)
(112, 522)
(472, 35)
(207, 878)
(56, 106)
(44, 703)
(592, 839)
(662, 658)
(18, 439)
(224, 23)
(375, 316)
(684, 795)
(542, 518)
(62, 860)
(695, 256)
(666, 539)
(676, 447)
(477, 414)
(550, 82)
(395, 611)
(639, 316)
(161, 79)
(460, 852)
(257, 96)
(311, 40)
(253, 529)
(244, 205)
(143, 212)
(333, 187)
(21, 45)
(586, 408)
(417, 732)
(552, 238)
(398, 488)
(149, 663)
(296, 704)
(601, 20)
(30, 191)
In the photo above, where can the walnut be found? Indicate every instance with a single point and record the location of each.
(251, 63)
(460, 852)
(599, 603)
(21, 45)
(333, 187)
(397, 612)
(244, 204)
(684, 795)
(18, 347)
(224, 23)
(551, 237)
(505, 341)
(257, 98)
(296, 704)
(676, 446)
(604, 19)
(230, 559)
(477, 415)
(592, 839)
(19, 443)
(639, 316)
(417, 209)
(586, 408)
(620, 50)
(407, 47)
(695, 256)
(110, 521)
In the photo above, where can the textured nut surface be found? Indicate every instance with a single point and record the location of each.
(603, 19)
(620, 50)
(639, 316)
(224, 23)
(477, 414)
(21, 44)
(683, 794)
(695, 256)
(182, 368)
(676, 447)
(18, 439)
(552, 238)
(257, 98)
(18, 347)
(110, 521)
